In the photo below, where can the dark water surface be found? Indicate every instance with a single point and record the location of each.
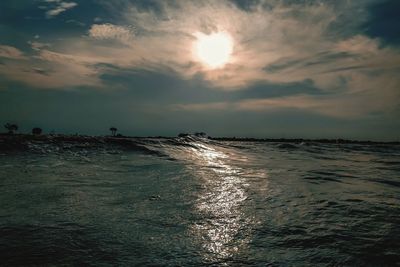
(195, 202)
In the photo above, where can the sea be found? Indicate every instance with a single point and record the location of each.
(193, 201)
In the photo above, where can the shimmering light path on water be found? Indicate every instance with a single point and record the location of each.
(199, 202)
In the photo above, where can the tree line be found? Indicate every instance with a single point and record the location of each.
(12, 128)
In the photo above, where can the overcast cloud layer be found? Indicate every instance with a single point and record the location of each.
(317, 65)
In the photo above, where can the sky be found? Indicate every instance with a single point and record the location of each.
(294, 69)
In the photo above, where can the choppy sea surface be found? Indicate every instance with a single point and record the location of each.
(196, 202)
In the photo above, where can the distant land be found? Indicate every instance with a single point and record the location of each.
(22, 141)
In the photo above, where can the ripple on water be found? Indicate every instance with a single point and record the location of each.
(194, 202)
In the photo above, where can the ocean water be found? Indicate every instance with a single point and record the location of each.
(196, 202)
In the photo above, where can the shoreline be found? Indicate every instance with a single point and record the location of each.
(21, 138)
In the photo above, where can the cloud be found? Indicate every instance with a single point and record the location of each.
(11, 52)
(275, 42)
(110, 31)
(59, 8)
(203, 106)
(346, 107)
(52, 70)
(38, 45)
(332, 106)
(75, 22)
(283, 43)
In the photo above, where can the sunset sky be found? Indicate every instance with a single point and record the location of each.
(272, 68)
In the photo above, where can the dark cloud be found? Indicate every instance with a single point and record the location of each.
(166, 88)
(321, 58)
(42, 71)
(246, 4)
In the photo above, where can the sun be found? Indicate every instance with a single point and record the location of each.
(213, 50)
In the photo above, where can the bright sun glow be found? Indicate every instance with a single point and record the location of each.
(214, 50)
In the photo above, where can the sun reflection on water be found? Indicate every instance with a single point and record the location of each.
(224, 227)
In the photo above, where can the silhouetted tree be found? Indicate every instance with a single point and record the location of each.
(113, 130)
(11, 127)
(36, 131)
